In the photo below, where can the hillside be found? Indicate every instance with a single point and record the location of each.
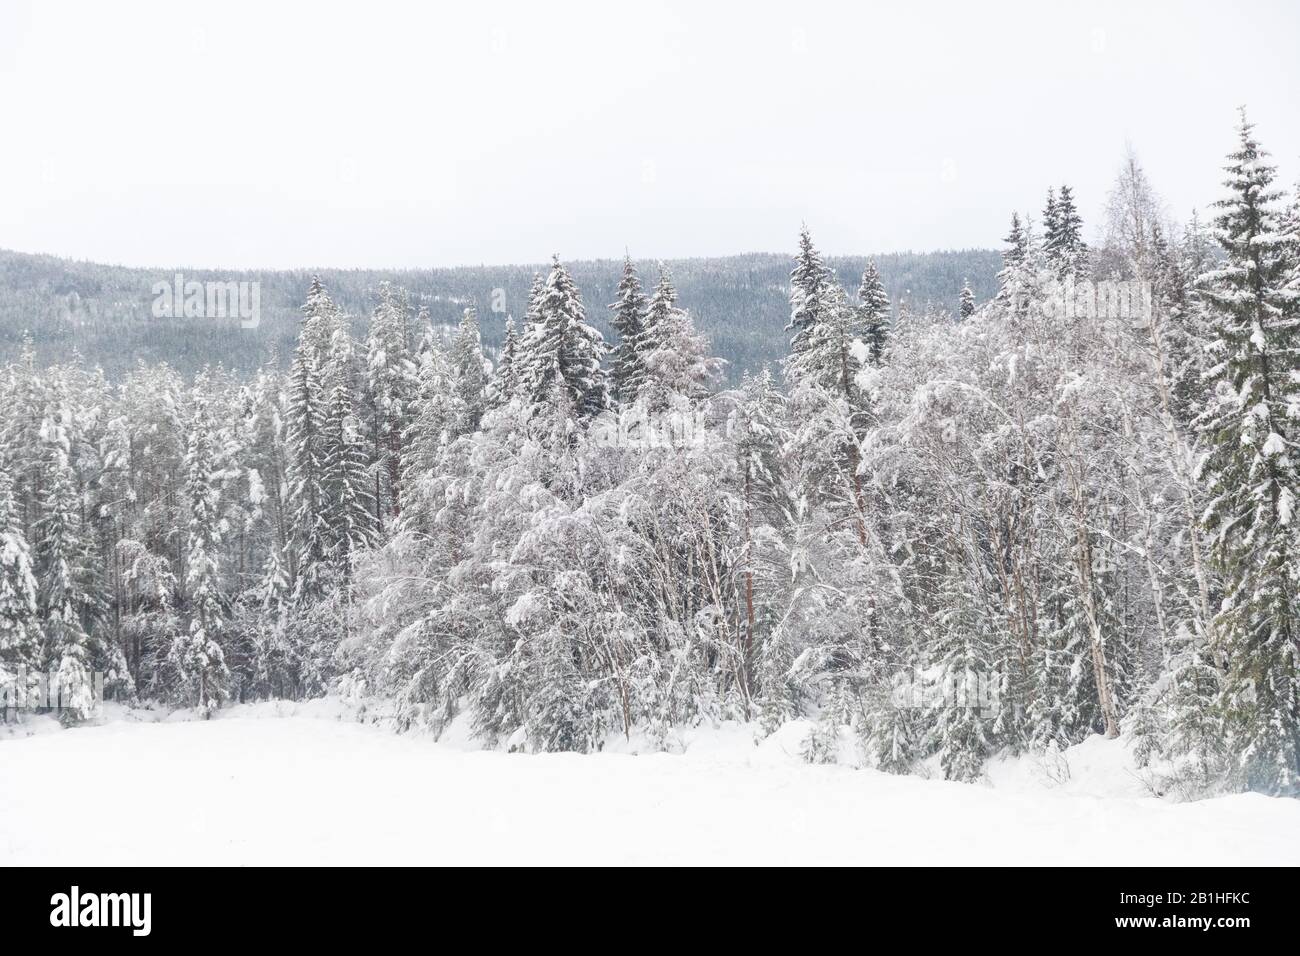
(103, 312)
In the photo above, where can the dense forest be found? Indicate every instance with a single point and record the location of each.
(990, 525)
(740, 302)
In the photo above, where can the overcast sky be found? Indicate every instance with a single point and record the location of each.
(380, 135)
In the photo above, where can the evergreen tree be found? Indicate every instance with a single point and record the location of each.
(561, 347)
(70, 600)
(674, 358)
(392, 380)
(1052, 214)
(20, 636)
(966, 307)
(1251, 472)
(873, 313)
(504, 384)
(197, 654)
(467, 362)
(627, 371)
(349, 511)
(810, 279)
(1067, 252)
(1015, 260)
(306, 421)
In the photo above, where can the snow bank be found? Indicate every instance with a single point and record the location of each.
(316, 787)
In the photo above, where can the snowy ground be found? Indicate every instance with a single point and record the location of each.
(296, 785)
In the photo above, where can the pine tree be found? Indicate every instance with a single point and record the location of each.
(392, 380)
(810, 279)
(1068, 253)
(1015, 260)
(674, 358)
(1052, 224)
(467, 363)
(561, 347)
(197, 654)
(306, 421)
(70, 600)
(627, 371)
(874, 313)
(349, 509)
(504, 384)
(20, 636)
(966, 308)
(1251, 471)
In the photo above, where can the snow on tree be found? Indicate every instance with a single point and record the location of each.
(966, 302)
(197, 653)
(471, 380)
(392, 380)
(675, 363)
(627, 368)
(809, 280)
(559, 346)
(504, 383)
(1251, 470)
(70, 598)
(20, 634)
(874, 313)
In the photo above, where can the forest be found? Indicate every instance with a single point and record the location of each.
(988, 526)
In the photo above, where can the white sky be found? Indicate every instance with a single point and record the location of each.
(423, 134)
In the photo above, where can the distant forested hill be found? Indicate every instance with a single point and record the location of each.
(104, 312)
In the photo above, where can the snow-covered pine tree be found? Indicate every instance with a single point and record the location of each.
(873, 313)
(674, 361)
(966, 302)
(1252, 471)
(1051, 227)
(467, 364)
(306, 411)
(504, 384)
(1068, 253)
(809, 280)
(346, 497)
(1012, 280)
(20, 635)
(757, 427)
(627, 370)
(393, 383)
(561, 347)
(70, 600)
(197, 653)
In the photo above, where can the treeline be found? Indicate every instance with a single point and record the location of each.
(937, 539)
(104, 312)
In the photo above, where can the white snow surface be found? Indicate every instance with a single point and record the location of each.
(307, 784)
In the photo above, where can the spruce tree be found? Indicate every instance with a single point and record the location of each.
(1068, 253)
(349, 509)
(627, 370)
(810, 279)
(392, 381)
(20, 636)
(197, 654)
(966, 306)
(504, 384)
(70, 600)
(1252, 472)
(562, 348)
(873, 311)
(467, 362)
(306, 421)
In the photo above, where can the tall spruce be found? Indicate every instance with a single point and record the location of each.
(627, 370)
(1251, 471)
